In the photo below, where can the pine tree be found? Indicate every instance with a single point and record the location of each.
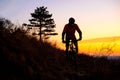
(42, 19)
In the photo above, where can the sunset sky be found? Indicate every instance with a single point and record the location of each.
(96, 18)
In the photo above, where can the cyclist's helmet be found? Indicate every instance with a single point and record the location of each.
(71, 20)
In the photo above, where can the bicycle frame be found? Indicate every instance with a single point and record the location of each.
(72, 47)
(72, 51)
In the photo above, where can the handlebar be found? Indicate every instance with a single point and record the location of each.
(71, 40)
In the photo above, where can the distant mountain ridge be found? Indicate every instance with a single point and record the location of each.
(114, 38)
(101, 46)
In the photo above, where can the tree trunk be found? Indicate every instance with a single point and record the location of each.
(40, 33)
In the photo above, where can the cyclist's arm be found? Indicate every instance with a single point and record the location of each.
(80, 35)
(63, 33)
(79, 31)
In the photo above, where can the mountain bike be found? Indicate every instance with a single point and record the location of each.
(72, 54)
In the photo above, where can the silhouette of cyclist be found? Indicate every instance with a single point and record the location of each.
(69, 34)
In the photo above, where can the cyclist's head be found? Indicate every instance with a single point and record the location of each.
(71, 20)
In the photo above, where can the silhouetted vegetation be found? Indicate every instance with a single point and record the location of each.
(42, 20)
(23, 57)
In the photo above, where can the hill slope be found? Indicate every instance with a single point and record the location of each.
(25, 58)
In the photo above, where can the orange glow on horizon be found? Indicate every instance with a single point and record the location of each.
(99, 47)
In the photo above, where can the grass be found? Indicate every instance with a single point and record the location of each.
(23, 57)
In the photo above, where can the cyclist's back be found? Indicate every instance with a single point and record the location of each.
(70, 29)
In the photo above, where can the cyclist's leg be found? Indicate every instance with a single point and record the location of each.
(75, 55)
(76, 44)
(67, 47)
(67, 56)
